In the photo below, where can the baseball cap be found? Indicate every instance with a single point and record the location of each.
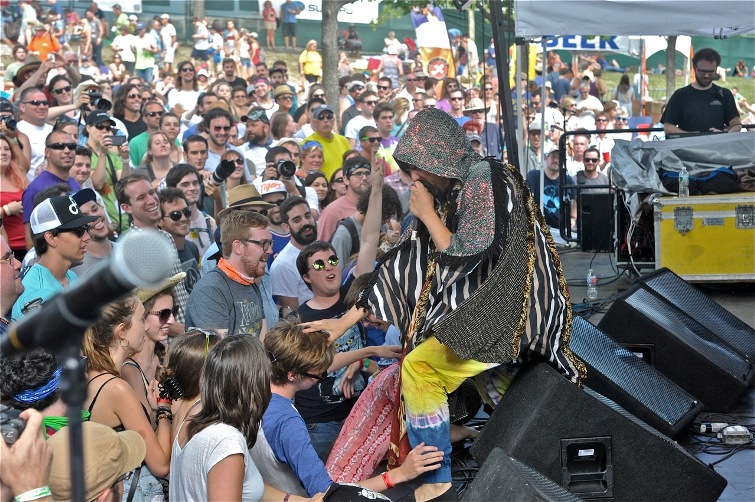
(536, 125)
(282, 90)
(83, 196)
(271, 186)
(164, 16)
(203, 73)
(5, 105)
(60, 212)
(354, 163)
(133, 17)
(322, 108)
(108, 455)
(254, 34)
(244, 196)
(353, 84)
(474, 137)
(99, 117)
(552, 149)
(140, 25)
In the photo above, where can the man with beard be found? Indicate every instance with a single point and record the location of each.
(60, 232)
(229, 74)
(228, 298)
(99, 247)
(702, 106)
(258, 138)
(356, 176)
(477, 235)
(288, 286)
(275, 193)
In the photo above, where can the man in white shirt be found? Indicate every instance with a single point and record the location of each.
(168, 36)
(124, 45)
(34, 107)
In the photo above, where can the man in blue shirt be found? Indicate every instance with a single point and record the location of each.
(289, 11)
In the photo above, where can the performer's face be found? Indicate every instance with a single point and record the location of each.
(436, 185)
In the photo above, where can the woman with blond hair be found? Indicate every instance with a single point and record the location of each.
(310, 65)
(157, 161)
(115, 336)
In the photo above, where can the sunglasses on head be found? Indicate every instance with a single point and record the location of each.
(258, 114)
(61, 90)
(322, 376)
(79, 231)
(164, 315)
(176, 215)
(320, 264)
(62, 146)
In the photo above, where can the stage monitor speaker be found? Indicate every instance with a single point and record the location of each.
(631, 383)
(596, 221)
(590, 445)
(686, 352)
(505, 478)
(732, 330)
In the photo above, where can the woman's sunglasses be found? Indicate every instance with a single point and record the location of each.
(320, 264)
(62, 90)
(164, 315)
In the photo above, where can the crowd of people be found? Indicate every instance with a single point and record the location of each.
(277, 202)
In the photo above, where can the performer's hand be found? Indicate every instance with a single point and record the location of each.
(421, 459)
(335, 328)
(388, 351)
(421, 202)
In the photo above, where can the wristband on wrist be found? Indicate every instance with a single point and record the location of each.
(161, 400)
(34, 494)
(386, 480)
(366, 363)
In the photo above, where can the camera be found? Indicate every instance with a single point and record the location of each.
(11, 426)
(119, 140)
(285, 168)
(98, 102)
(9, 121)
(224, 169)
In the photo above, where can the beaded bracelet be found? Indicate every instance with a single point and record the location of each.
(34, 494)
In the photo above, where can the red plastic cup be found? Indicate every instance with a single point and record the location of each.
(606, 156)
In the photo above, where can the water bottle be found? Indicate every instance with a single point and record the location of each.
(683, 183)
(592, 286)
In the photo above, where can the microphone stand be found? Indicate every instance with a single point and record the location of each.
(73, 391)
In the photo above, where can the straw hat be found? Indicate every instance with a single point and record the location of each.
(145, 294)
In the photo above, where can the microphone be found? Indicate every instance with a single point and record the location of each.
(141, 258)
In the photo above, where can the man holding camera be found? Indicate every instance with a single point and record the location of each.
(217, 124)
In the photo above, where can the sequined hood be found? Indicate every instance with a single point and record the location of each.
(434, 142)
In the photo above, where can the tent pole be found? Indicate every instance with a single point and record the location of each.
(504, 90)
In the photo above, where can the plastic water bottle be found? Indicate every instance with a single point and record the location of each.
(592, 286)
(683, 183)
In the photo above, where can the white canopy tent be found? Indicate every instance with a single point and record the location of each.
(719, 19)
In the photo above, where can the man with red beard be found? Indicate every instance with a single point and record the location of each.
(288, 286)
(228, 298)
(99, 247)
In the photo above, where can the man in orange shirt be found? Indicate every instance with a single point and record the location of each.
(43, 43)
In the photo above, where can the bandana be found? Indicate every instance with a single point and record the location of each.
(234, 274)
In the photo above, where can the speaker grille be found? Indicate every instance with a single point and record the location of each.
(728, 327)
(696, 336)
(544, 486)
(630, 373)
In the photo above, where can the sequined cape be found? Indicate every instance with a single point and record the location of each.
(498, 291)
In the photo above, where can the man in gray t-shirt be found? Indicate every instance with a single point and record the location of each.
(590, 175)
(228, 297)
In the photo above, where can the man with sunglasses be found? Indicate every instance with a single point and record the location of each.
(591, 175)
(217, 125)
(60, 232)
(228, 298)
(202, 226)
(10, 283)
(410, 87)
(152, 111)
(702, 106)
(333, 145)
(176, 219)
(366, 103)
(59, 154)
(100, 246)
(33, 107)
